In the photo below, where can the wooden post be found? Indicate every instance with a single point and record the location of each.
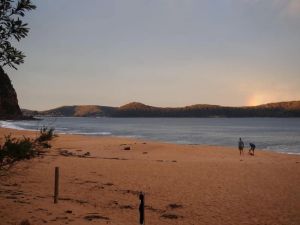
(142, 208)
(56, 185)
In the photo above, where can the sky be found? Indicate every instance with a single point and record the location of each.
(159, 52)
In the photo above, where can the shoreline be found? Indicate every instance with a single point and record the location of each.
(135, 137)
(182, 184)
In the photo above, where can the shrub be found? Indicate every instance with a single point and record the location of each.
(46, 134)
(15, 149)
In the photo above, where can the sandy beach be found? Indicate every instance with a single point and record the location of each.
(183, 184)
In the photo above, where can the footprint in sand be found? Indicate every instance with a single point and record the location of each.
(174, 206)
(171, 216)
(92, 217)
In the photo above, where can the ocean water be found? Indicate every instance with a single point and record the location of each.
(274, 134)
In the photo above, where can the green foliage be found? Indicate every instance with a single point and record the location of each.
(46, 134)
(12, 28)
(15, 149)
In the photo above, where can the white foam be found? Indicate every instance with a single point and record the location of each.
(63, 128)
(96, 133)
(86, 133)
(130, 136)
(11, 125)
(292, 153)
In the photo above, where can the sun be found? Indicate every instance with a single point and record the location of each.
(256, 99)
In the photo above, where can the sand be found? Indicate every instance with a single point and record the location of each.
(183, 184)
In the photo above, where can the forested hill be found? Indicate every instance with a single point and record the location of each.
(135, 109)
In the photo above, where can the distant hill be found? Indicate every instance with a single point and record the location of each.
(73, 111)
(136, 109)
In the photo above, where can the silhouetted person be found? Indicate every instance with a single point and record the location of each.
(252, 148)
(241, 146)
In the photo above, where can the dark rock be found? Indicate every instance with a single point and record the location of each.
(87, 154)
(9, 107)
(126, 207)
(126, 148)
(65, 153)
(170, 216)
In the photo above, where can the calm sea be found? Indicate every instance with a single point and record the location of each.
(276, 134)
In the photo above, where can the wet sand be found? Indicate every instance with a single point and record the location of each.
(183, 184)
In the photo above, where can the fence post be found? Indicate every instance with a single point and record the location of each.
(56, 185)
(142, 208)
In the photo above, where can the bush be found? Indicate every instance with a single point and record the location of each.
(15, 149)
(46, 134)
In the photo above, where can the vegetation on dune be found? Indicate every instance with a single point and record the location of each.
(16, 149)
(46, 134)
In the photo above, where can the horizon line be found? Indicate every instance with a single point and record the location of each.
(136, 102)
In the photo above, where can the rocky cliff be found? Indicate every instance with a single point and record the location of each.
(9, 107)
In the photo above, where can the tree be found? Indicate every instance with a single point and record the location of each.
(12, 28)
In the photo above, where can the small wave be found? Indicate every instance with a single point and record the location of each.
(10, 125)
(95, 133)
(62, 128)
(182, 142)
(292, 149)
(130, 136)
(86, 133)
(292, 153)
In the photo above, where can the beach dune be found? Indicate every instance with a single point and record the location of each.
(183, 184)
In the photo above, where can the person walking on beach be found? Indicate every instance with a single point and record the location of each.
(241, 146)
(251, 150)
